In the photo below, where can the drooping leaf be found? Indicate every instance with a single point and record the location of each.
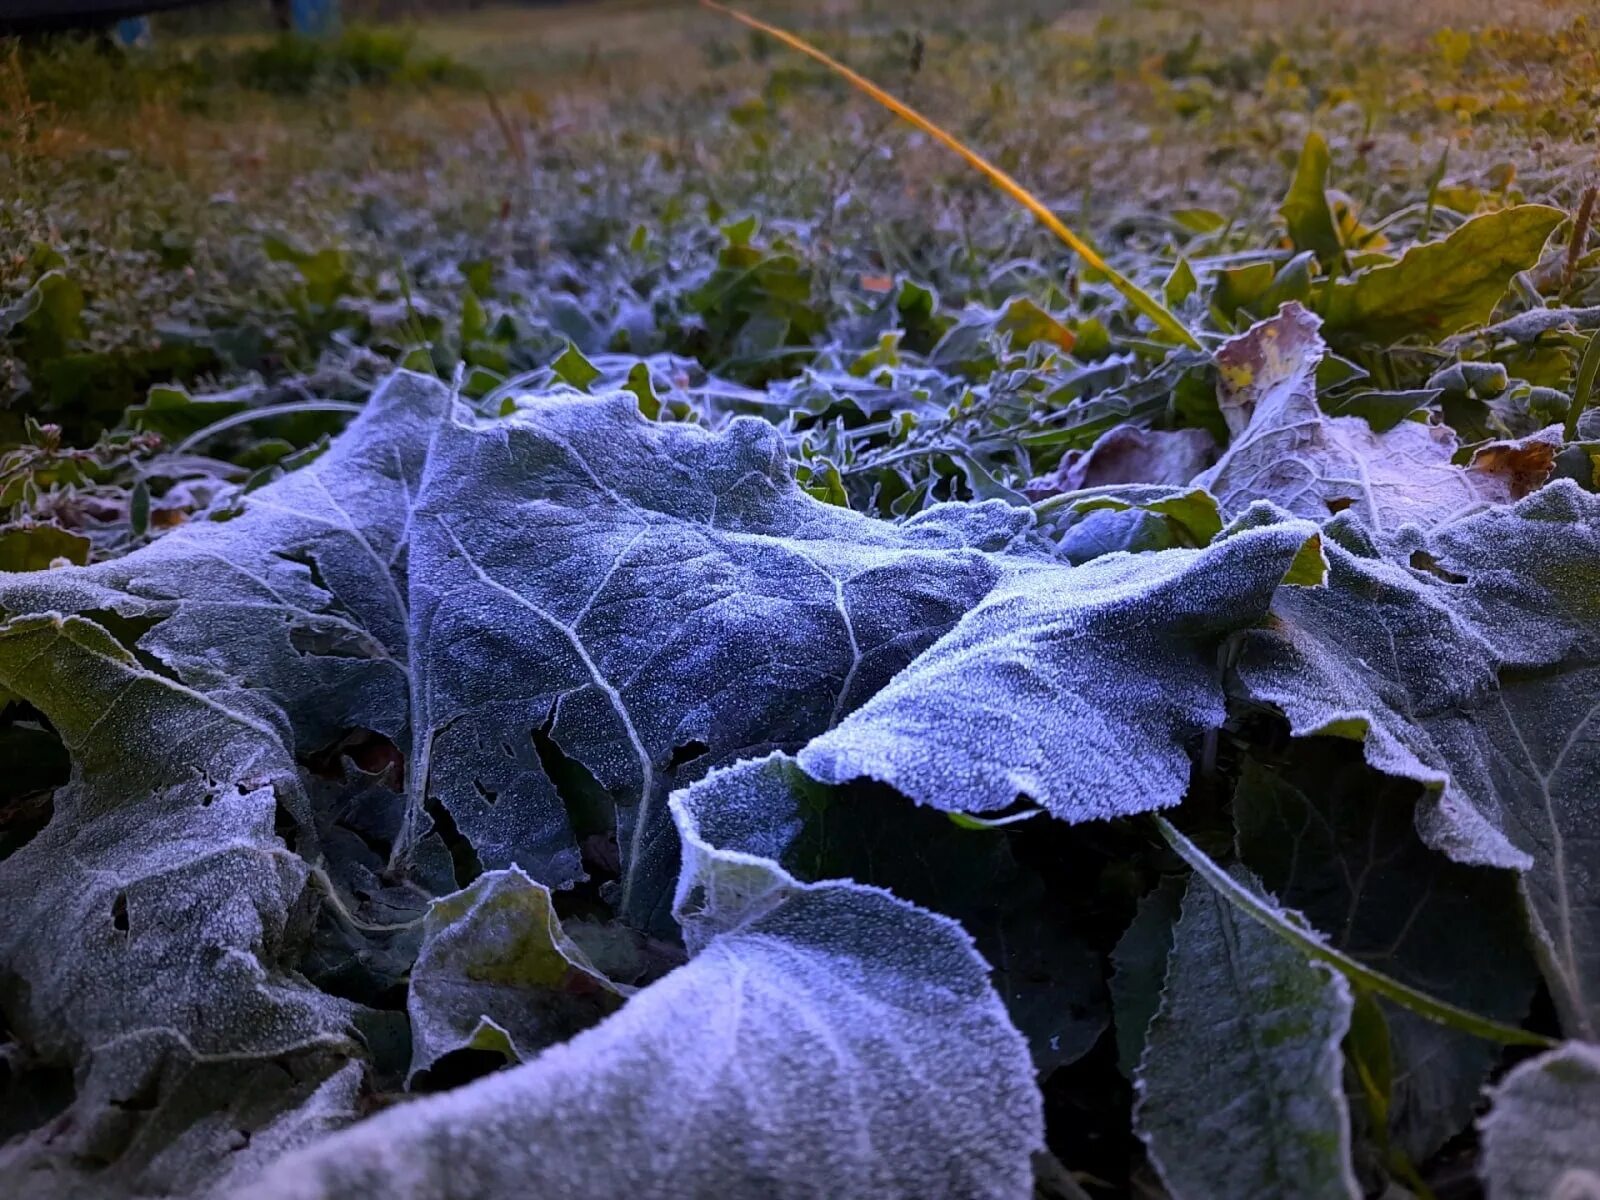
(1239, 1086)
(1049, 978)
(775, 1064)
(151, 922)
(1076, 688)
(495, 972)
(1343, 851)
(1437, 288)
(1469, 665)
(1286, 450)
(144, 935)
(1539, 1135)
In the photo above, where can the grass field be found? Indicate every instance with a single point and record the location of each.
(539, 140)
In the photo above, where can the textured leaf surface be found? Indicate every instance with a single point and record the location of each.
(1439, 287)
(777, 1063)
(1286, 450)
(1076, 688)
(497, 973)
(1341, 848)
(151, 921)
(1475, 674)
(642, 588)
(1049, 978)
(1239, 1085)
(1539, 1138)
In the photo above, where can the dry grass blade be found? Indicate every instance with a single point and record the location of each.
(1137, 296)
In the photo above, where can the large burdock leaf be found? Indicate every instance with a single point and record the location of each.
(824, 1040)
(152, 926)
(1049, 978)
(652, 593)
(1337, 843)
(1239, 1092)
(1436, 288)
(1539, 1138)
(1286, 450)
(1475, 672)
(1076, 688)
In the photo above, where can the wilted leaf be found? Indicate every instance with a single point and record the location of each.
(1539, 1137)
(1239, 1090)
(1286, 450)
(1129, 454)
(1439, 287)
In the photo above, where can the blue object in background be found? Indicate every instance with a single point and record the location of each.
(135, 31)
(314, 17)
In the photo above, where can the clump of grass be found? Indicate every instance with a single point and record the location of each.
(73, 74)
(359, 56)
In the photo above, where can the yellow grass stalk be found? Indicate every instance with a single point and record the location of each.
(1137, 296)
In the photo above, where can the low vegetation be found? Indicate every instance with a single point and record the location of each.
(586, 611)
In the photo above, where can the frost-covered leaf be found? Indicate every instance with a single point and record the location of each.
(1436, 288)
(1077, 688)
(1239, 1092)
(1471, 667)
(824, 1040)
(497, 973)
(1286, 450)
(1049, 978)
(1338, 844)
(639, 589)
(1539, 1137)
(153, 922)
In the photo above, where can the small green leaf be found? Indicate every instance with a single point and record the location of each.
(640, 384)
(36, 547)
(572, 367)
(1436, 288)
(139, 508)
(1305, 209)
(1181, 283)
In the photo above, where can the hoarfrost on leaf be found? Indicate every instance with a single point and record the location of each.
(1239, 1087)
(1475, 673)
(1539, 1135)
(777, 1063)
